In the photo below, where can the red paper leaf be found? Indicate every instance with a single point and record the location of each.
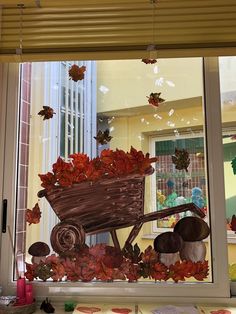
(47, 112)
(98, 251)
(30, 271)
(76, 73)
(159, 272)
(113, 257)
(58, 272)
(87, 309)
(104, 273)
(48, 180)
(149, 256)
(33, 216)
(154, 99)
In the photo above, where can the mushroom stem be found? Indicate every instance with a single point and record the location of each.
(193, 251)
(38, 259)
(169, 258)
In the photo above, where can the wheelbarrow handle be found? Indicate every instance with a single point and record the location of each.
(172, 211)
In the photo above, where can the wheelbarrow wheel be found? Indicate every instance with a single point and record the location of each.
(66, 236)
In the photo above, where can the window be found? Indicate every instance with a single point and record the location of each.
(114, 96)
(176, 187)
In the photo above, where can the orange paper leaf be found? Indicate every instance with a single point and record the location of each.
(33, 216)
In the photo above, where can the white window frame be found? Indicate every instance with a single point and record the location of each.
(146, 291)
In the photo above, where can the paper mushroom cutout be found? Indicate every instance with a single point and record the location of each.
(192, 230)
(39, 251)
(168, 245)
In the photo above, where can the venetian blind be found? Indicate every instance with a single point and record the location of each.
(53, 30)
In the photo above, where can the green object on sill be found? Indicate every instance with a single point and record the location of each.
(69, 306)
(233, 163)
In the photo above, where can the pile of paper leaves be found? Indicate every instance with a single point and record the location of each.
(109, 164)
(107, 263)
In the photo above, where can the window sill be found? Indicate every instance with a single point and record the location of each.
(59, 305)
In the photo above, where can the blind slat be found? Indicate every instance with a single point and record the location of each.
(107, 26)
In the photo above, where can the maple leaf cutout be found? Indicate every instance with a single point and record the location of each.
(47, 112)
(76, 73)
(103, 137)
(154, 99)
(181, 159)
(33, 216)
(149, 61)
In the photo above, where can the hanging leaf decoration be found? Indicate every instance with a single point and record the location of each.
(149, 61)
(103, 137)
(181, 159)
(76, 73)
(33, 216)
(233, 163)
(154, 99)
(47, 112)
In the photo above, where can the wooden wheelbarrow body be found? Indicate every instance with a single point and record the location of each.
(103, 206)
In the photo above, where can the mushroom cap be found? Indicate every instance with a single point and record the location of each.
(192, 229)
(39, 249)
(168, 242)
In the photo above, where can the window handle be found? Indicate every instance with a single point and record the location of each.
(4, 216)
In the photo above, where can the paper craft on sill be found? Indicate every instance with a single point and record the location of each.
(172, 309)
(104, 308)
(217, 310)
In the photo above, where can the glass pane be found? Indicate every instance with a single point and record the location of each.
(227, 66)
(176, 187)
(144, 173)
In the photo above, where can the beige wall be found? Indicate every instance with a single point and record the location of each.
(130, 81)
